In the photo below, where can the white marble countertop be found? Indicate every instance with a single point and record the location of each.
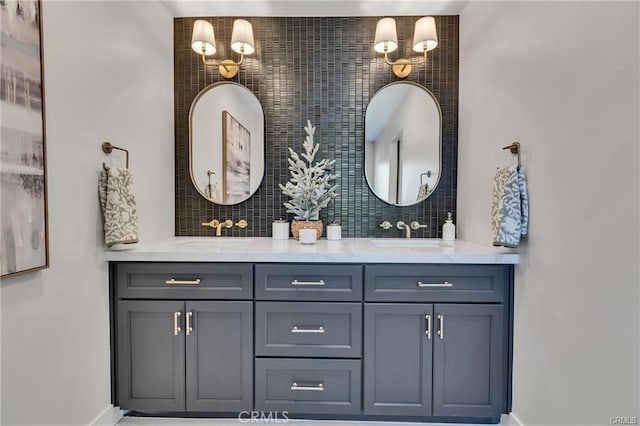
(348, 250)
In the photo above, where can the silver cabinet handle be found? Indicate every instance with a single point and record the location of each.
(173, 281)
(296, 282)
(444, 284)
(428, 330)
(318, 330)
(319, 387)
(441, 326)
(188, 325)
(176, 326)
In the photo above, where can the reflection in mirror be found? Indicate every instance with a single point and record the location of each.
(403, 143)
(226, 150)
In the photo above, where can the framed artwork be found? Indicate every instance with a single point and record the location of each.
(23, 179)
(236, 160)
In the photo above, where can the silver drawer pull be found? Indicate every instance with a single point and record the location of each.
(173, 281)
(296, 282)
(319, 387)
(296, 329)
(444, 284)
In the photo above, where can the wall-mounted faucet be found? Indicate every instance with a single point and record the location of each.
(415, 225)
(218, 225)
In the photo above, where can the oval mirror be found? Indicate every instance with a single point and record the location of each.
(226, 147)
(403, 143)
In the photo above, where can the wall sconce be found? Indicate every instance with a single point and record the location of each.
(425, 38)
(203, 42)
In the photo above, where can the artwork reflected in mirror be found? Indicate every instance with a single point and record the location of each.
(236, 160)
(227, 143)
(403, 145)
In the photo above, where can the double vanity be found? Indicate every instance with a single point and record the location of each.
(416, 330)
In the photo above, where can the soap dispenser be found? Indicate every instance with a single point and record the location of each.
(449, 229)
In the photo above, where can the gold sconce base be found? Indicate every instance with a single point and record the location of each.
(228, 68)
(401, 68)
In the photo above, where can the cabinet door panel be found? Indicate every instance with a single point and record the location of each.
(220, 356)
(151, 358)
(468, 361)
(397, 360)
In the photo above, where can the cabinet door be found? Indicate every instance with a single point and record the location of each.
(219, 356)
(468, 360)
(150, 355)
(397, 359)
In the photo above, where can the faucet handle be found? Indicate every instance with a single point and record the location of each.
(227, 223)
(213, 224)
(416, 225)
(242, 224)
(386, 225)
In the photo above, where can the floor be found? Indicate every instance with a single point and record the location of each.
(156, 421)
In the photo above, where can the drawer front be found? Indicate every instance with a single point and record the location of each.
(315, 386)
(436, 283)
(185, 280)
(314, 282)
(308, 329)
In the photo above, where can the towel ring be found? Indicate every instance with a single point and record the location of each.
(515, 149)
(107, 148)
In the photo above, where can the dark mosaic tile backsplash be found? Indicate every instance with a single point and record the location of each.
(324, 70)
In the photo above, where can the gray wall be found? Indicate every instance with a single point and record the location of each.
(561, 78)
(324, 70)
(108, 72)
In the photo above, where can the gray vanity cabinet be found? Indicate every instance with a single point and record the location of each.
(424, 342)
(177, 354)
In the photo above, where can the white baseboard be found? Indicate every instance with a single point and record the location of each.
(510, 420)
(109, 417)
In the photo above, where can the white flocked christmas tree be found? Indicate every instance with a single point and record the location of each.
(309, 189)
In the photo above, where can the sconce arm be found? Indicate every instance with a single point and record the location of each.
(226, 63)
(405, 61)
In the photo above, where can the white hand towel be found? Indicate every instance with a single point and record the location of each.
(119, 209)
(510, 209)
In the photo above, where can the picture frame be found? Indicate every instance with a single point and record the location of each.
(24, 228)
(236, 160)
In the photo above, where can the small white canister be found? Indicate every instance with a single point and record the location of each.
(280, 229)
(334, 232)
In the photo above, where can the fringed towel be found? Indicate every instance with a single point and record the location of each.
(119, 209)
(510, 210)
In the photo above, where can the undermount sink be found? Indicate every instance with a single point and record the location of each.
(211, 241)
(408, 243)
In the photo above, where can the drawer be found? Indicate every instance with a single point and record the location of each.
(308, 329)
(436, 283)
(185, 280)
(316, 282)
(315, 386)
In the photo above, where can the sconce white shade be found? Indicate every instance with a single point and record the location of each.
(425, 35)
(203, 38)
(386, 35)
(242, 37)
